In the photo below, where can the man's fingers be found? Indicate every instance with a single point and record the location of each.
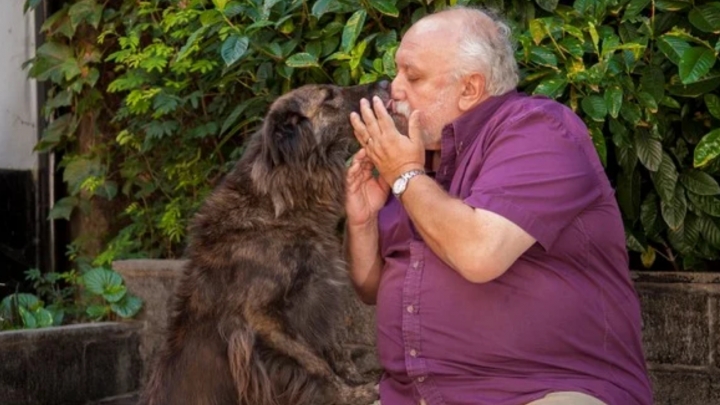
(414, 128)
(368, 116)
(385, 121)
(360, 130)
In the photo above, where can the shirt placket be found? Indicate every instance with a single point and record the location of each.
(415, 363)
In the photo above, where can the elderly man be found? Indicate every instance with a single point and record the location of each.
(498, 264)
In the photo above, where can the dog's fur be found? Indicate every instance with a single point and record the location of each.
(257, 306)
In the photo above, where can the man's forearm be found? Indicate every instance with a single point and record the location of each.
(363, 255)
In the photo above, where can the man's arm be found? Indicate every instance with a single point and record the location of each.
(478, 244)
(363, 255)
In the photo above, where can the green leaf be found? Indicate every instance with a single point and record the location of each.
(537, 30)
(352, 30)
(671, 5)
(696, 62)
(321, 7)
(552, 87)
(710, 231)
(631, 112)
(649, 214)
(628, 193)
(27, 317)
(707, 204)
(699, 182)
(97, 311)
(647, 101)
(548, 5)
(85, 11)
(543, 56)
(128, 306)
(649, 150)
(673, 47)
(100, 280)
(696, 89)
(31, 4)
(634, 8)
(665, 178)
(713, 105)
(234, 48)
(600, 146)
(707, 149)
(594, 106)
(386, 7)
(674, 210)
(43, 318)
(613, 100)
(706, 17)
(107, 190)
(63, 208)
(302, 60)
(78, 170)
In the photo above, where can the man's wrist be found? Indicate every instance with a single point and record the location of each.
(402, 182)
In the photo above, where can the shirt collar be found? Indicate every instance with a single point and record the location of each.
(463, 130)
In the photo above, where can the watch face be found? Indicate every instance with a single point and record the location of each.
(399, 185)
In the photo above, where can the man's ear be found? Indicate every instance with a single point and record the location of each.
(282, 134)
(473, 91)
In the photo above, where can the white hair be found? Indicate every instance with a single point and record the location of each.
(486, 49)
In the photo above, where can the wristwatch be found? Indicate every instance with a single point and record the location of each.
(400, 184)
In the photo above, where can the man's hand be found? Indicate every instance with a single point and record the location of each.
(391, 152)
(366, 195)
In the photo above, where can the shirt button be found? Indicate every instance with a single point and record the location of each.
(421, 378)
(413, 353)
(415, 265)
(410, 309)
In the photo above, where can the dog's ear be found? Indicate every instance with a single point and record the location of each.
(283, 141)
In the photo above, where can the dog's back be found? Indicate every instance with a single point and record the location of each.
(256, 309)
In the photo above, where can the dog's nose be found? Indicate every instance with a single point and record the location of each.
(384, 84)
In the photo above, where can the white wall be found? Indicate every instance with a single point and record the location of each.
(18, 115)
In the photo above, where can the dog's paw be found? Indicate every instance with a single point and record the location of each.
(361, 395)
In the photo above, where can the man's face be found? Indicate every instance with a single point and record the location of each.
(425, 79)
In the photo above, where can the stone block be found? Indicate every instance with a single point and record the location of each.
(68, 364)
(676, 327)
(675, 386)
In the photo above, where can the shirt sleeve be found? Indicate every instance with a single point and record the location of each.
(536, 173)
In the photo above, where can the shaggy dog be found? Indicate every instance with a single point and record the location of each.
(258, 303)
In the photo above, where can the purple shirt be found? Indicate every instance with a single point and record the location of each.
(564, 317)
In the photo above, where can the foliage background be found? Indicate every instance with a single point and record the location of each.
(152, 100)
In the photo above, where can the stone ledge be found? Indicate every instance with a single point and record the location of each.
(69, 364)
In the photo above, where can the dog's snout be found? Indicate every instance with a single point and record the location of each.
(384, 84)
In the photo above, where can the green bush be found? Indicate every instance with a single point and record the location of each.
(170, 89)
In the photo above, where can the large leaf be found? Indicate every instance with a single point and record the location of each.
(100, 280)
(600, 145)
(707, 149)
(707, 204)
(127, 307)
(699, 182)
(712, 102)
(674, 210)
(649, 215)
(696, 62)
(543, 56)
(85, 11)
(634, 8)
(706, 17)
(552, 87)
(78, 170)
(63, 208)
(234, 48)
(703, 86)
(628, 194)
(673, 47)
(652, 82)
(594, 106)
(352, 30)
(710, 231)
(302, 60)
(613, 100)
(665, 178)
(386, 7)
(649, 150)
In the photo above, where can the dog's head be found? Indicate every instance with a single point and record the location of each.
(305, 140)
(313, 122)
